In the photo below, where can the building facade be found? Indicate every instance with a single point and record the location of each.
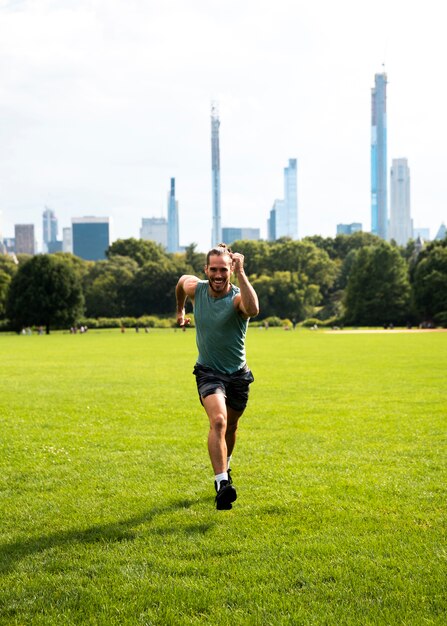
(349, 229)
(49, 230)
(91, 237)
(155, 229)
(283, 220)
(173, 226)
(379, 171)
(442, 232)
(67, 240)
(24, 239)
(401, 224)
(229, 234)
(216, 231)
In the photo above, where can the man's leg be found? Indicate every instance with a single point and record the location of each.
(216, 410)
(232, 423)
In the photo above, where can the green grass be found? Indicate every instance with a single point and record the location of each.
(106, 494)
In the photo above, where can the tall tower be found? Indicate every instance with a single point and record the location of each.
(173, 230)
(216, 233)
(49, 228)
(286, 211)
(379, 209)
(401, 225)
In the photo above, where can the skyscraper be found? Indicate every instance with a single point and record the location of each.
(173, 229)
(283, 221)
(379, 208)
(216, 233)
(90, 237)
(24, 236)
(349, 229)
(401, 224)
(155, 229)
(49, 228)
(231, 234)
(67, 239)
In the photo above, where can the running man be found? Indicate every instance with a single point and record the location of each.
(221, 314)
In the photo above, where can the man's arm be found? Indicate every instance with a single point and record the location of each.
(186, 288)
(248, 303)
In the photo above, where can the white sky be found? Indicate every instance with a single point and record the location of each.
(103, 101)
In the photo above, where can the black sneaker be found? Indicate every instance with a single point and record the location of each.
(225, 496)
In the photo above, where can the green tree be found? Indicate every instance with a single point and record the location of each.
(139, 250)
(7, 270)
(45, 291)
(286, 295)
(305, 258)
(378, 288)
(153, 289)
(430, 281)
(106, 288)
(257, 256)
(195, 260)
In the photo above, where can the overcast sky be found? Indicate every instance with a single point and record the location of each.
(103, 101)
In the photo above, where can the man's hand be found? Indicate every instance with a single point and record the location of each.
(237, 262)
(182, 320)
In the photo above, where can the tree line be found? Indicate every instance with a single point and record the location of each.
(354, 279)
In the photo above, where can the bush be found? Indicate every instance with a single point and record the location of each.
(312, 321)
(146, 321)
(328, 323)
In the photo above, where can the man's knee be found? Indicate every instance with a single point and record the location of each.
(218, 422)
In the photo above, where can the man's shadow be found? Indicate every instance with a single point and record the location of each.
(121, 530)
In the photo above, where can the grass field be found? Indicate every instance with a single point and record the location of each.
(106, 494)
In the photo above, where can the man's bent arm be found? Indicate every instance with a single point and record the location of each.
(186, 287)
(249, 304)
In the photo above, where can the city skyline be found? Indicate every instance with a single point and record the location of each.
(97, 129)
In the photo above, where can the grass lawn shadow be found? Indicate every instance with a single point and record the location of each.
(121, 530)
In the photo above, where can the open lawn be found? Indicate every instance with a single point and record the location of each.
(106, 491)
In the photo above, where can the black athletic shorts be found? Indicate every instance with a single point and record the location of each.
(234, 387)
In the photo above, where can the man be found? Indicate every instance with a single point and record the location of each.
(221, 314)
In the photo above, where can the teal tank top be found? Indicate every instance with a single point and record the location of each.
(220, 330)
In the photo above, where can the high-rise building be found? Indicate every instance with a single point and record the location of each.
(67, 239)
(49, 229)
(90, 237)
(401, 224)
(24, 239)
(442, 232)
(283, 220)
(155, 229)
(379, 171)
(230, 234)
(271, 222)
(349, 229)
(173, 227)
(216, 233)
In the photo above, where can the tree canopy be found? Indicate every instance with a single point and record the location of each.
(352, 279)
(378, 288)
(45, 291)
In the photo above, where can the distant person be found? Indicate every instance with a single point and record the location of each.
(221, 314)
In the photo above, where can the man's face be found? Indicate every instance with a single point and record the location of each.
(218, 273)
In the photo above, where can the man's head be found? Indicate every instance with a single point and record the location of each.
(218, 268)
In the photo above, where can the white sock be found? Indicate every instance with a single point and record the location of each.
(219, 478)
(228, 462)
